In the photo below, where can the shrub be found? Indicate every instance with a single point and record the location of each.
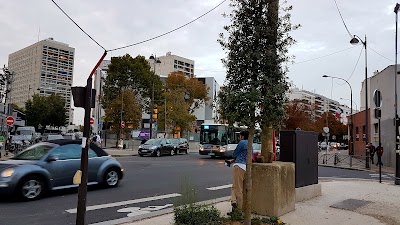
(193, 214)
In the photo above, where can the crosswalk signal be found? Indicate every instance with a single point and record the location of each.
(155, 112)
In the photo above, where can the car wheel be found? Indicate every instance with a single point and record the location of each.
(140, 155)
(158, 153)
(186, 151)
(111, 178)
(31, 188)
(171, 153)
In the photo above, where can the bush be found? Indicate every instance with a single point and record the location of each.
(193, 214)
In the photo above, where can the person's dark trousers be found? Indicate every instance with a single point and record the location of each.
(379, 160)
(372, 158)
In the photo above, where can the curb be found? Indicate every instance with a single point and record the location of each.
(156, 213)
(328, 179)
(346, 168)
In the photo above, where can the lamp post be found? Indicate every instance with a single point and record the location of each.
(155, 61)
(351, 112)
(397, 119)
(355, 40)
(352, 101)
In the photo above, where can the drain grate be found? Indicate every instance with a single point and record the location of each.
(350, 204)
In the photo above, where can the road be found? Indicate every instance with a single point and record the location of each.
(148, 181)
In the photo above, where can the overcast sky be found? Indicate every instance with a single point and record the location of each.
(121, 22)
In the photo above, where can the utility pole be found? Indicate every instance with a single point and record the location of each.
(396, 116)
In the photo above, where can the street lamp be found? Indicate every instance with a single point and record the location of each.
(351, 112)
(397, 120)
(355, 40)
(155, 61)
(351, 101)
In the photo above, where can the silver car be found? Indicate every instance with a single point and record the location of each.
(52, 165)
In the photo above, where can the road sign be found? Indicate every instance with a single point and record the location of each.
(91, 121)
(122, 124)
(326, 130)
(10, 121)
(378, 98)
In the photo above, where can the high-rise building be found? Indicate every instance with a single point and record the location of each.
(99, 78)
(44, 68)
(171, 63)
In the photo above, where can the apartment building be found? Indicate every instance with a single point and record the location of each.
(171, 63)
(321, 103)
(44, 68)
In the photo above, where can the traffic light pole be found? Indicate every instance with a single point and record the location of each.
(82, 190)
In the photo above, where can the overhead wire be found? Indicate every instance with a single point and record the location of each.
(66, 14)
(380, 54)
(337, 7)
(355, 66)
(333, 53)
(166, 33)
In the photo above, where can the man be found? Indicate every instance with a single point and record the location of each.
(239, 169)
(371, 152)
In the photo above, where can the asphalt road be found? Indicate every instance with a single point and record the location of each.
(149, 184)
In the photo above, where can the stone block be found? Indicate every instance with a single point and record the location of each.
(308, 192)
(273, 192)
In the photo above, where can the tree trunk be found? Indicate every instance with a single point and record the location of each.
(247, 179)
(266, 144)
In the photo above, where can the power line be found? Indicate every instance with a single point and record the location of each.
(342, 19)
(380, 54)
(78, 25)
(320, 57)
(354, 69)
(158, 36)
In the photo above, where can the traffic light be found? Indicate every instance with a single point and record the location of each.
(155, 112)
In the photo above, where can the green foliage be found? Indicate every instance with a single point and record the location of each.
(46, 110)
(257, 44)
(127, 73)
(187, 212)
(197, 215)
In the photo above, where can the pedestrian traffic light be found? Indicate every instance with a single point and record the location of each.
(79, 97)
(155, 112)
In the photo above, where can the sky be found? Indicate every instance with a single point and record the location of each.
(121, 22)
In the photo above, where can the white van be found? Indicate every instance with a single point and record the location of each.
(29, 132)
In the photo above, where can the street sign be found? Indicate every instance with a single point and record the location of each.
(326, 130)
(378, 98)
(10, 121)
(333, 137)
(91, 121)
(122, 124)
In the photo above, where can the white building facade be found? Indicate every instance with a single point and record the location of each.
(172, 63)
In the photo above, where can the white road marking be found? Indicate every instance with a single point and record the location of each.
(376, 175)
(136, 211)
(219, 187)
(109, 205)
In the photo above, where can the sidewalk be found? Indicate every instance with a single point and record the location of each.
(342, 202)
(349, 162)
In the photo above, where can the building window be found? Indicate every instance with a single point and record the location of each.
(376, 128)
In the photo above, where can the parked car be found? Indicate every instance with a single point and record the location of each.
(51, 137)
(30, 133)
(181, 145)
(156, 147)
(51, 165)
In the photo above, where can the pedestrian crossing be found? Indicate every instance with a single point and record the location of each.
(384, 176)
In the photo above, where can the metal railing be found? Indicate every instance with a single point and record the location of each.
(342, 160)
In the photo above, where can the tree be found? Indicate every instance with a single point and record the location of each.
(299, 115)
(57, 113)
(134, 74)
(255, 86)
(336, 127)
(46, 110)
(128, 105)
(182, 96)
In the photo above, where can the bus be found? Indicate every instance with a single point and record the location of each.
(221, 139)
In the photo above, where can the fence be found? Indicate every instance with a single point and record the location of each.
(342, 160)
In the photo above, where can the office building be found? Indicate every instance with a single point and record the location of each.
(44, 68)
(208, 113)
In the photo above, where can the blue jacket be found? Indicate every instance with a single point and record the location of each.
(240, 152)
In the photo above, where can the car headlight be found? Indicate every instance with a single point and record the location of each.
(7, 172)
(222, 149)
(153, 147)
(140, 146)
(201, 148)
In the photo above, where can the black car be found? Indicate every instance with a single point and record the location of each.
(156, 147)
(181, 145)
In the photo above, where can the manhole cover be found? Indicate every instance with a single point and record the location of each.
(350, 204)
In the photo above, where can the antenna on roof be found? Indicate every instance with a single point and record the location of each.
(38, 35)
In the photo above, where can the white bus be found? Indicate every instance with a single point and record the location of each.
(221, 140)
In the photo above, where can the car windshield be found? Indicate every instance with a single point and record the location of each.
(25, 132)
(174, 141)
(34, 152)
(153, 142)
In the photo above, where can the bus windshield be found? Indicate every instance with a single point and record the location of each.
(213, 134)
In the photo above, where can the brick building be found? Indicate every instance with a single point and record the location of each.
(359, 133)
